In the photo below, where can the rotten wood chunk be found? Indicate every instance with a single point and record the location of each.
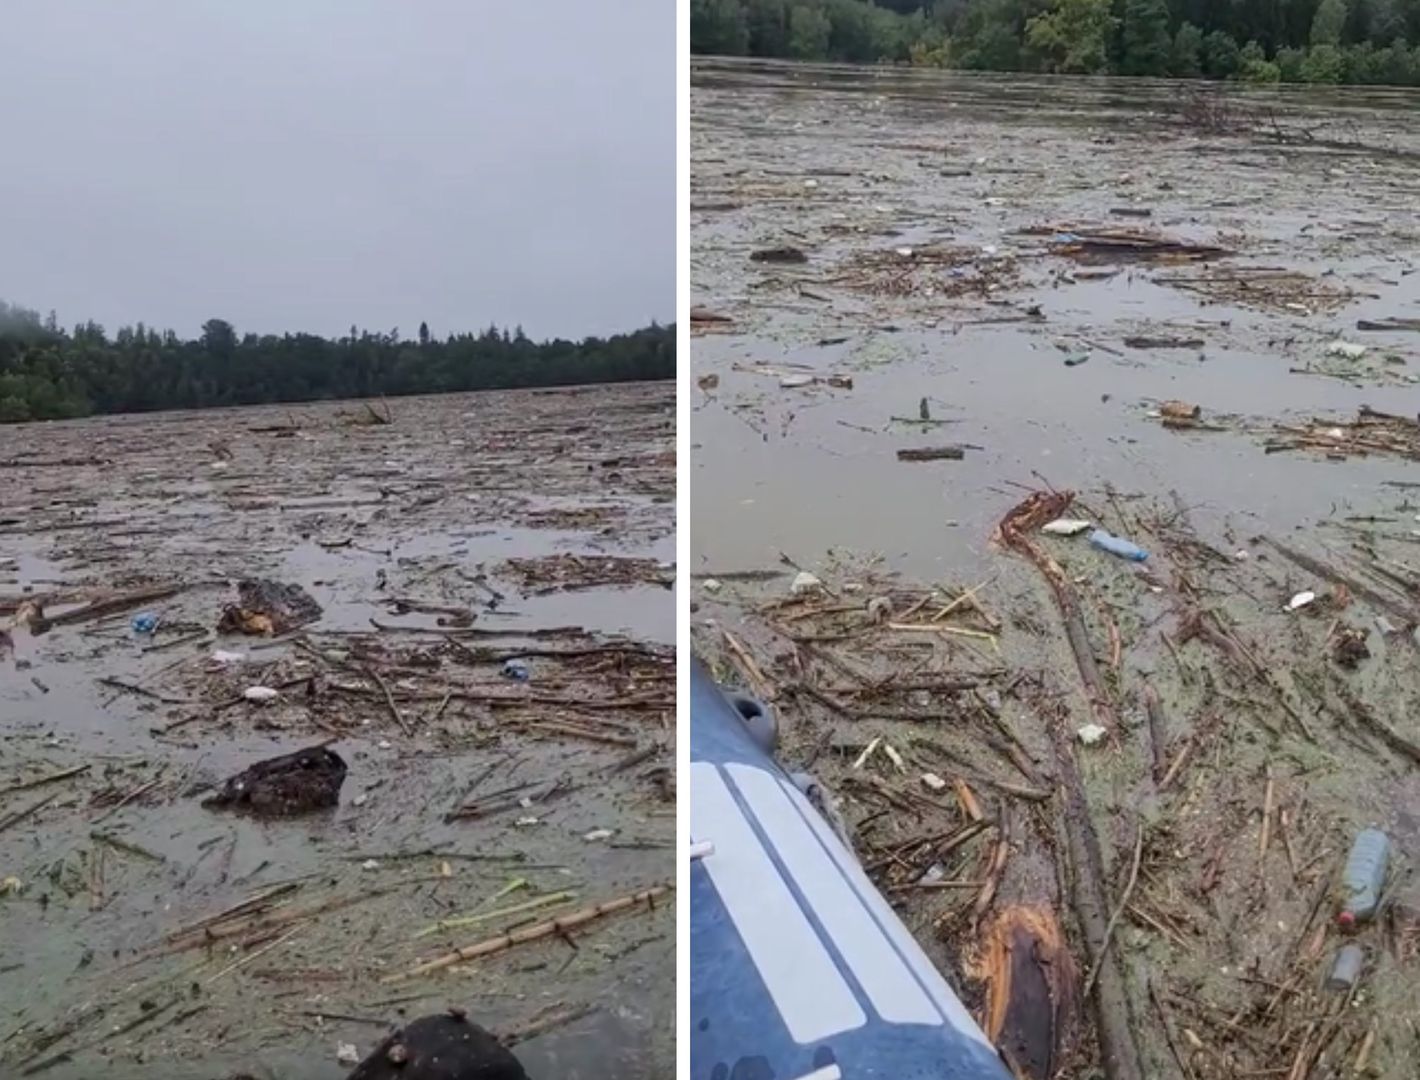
(783, 255)
(932, 453)
(1121, 245)
(449, 1047)
(285, 786)
(1144, 341)
(1032, 1009)
(1388, 324)
(268, 607)
(705, 315)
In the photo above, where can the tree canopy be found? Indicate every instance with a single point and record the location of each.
(1324, 41)
(47, 372)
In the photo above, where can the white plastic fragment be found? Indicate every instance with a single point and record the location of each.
(1091, 734)
(260, 693)
(933, 782)
(1066, 526)
(711, 585)
(1349, 350)
(932, 875)
(369, 864)
(222, 656)
(524, 822)
(347, 1054)
(1301, 600)
(597, 834)
(804, 582)
(793, 382)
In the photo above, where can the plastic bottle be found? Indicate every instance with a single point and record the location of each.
(516, 670)
(1116, 545)
(1364, 877)
(1347, 968)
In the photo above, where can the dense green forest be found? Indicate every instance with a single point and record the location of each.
(1314, 41)
(47, 372)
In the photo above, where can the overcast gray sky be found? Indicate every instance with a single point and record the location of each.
(308, 164)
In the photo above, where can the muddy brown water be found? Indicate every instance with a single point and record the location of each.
(872, 168)
(778, 469)
(429, 507)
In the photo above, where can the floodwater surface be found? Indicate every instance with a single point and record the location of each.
(847, 163)
(469, 529)
(1172, 300)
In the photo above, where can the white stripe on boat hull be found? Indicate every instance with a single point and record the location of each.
(802, 979)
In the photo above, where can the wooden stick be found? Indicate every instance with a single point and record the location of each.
(1365, 1053)
(20, 815)
(1119, 1050)
(1118, 910)
(555, 1017)
(1067, 600)
(967, 798)
(753, 673)
(109, 606)
(554, 927)
(561, 727)
(41, 781)
(967, 597)
(142, 691)
(241, 908)
(936, 628)
(1158, 730)
(1167, 1024)
(389, 700)
(1266, 817)
(259, 953)
(995, 868)
(1178, 762)
(116, 807)
(261, 923)
(1283, 828)
(458, 922)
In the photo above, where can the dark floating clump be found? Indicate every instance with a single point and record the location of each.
(285, 786)
(447, 1047)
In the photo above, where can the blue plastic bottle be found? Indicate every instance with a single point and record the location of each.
(1116, 545)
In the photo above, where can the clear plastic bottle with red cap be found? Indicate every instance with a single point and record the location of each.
(1364, 877)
